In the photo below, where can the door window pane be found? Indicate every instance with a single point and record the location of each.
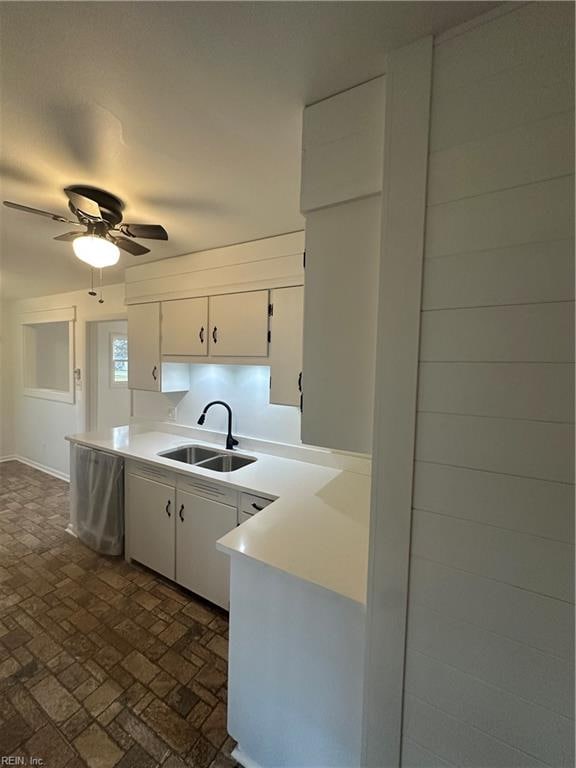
(119, 358)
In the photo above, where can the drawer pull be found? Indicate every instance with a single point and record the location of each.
(180, 515)
(257, 508)
(154, 370)
(168, 508)
(201, 335)
(215, 335)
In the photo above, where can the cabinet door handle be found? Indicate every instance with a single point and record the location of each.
(215, 335)
(257, 508)
(154, 372)
(167, 508)
(300, 382)
(180, 515)
(201, 335)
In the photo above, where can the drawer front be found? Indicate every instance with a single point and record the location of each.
(251, 504)
(208, 489)
(150, 471)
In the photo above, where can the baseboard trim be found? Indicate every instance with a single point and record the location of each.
(241, 757)
(39, 467)
(71, 531)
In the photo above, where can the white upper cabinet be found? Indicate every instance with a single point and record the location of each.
(342, 176)
(145, 368)
(340, 314)
(343, 146)
(286, 345)
(144, 346)
(185, 327)
(239, 324)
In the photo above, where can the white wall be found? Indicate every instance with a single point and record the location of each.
(244, 387)
(39, 426)
(6, 383)
(488, 678)
(109, 405)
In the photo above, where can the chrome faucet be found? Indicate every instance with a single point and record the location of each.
(230, 440)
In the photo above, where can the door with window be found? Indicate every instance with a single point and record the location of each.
(107, 381)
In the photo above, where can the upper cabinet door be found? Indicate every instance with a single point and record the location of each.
(340, 321)
(286, 345)
(185, 327)
(144, 369)
(239, 324)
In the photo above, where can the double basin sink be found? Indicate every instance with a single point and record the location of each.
(207, 458)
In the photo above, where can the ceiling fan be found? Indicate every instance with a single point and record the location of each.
(100, 213)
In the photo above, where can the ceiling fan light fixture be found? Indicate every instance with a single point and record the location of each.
(96, 251)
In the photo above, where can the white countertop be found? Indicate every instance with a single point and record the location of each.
(316, 530)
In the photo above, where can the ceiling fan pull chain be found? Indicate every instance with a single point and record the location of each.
(92, 292)
(100, 300)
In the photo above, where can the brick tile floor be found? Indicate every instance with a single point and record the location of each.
(102, 663)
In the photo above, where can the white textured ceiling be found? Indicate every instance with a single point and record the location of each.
(190, 112)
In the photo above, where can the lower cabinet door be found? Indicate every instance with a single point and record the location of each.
(150, 521)
(200, 567)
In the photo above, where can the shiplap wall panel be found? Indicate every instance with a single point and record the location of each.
(490, 633)
(464, 745)
(518, 96)
(522, 155)
(520, 670)
(538, 449)
(415, 756)
(538, 333)
(521, 274)
(534, 212)
(522, 724)
(535, 391)
(527, 617)
(516, 40)
(519, 559)
(522, 504)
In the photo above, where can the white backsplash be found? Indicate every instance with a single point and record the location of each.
(244, 387)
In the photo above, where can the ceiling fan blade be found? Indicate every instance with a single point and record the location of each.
(129, 245)
(68, 236)
(84, 205)
(27, 209)
(148, 231)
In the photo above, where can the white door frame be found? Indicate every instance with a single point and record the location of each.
(89, 365)
(408, 86)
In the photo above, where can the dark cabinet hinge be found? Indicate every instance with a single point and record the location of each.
(269, 336)
(304, 259)
(270, 310)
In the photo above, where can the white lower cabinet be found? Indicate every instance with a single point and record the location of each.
(199, 565)
(174, 530)
(150, 523)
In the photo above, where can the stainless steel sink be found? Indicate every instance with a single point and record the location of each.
(227, 462)
(190, 454)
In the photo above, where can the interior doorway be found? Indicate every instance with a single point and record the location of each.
(108, 396)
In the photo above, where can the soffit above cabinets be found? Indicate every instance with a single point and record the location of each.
(272, 262)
